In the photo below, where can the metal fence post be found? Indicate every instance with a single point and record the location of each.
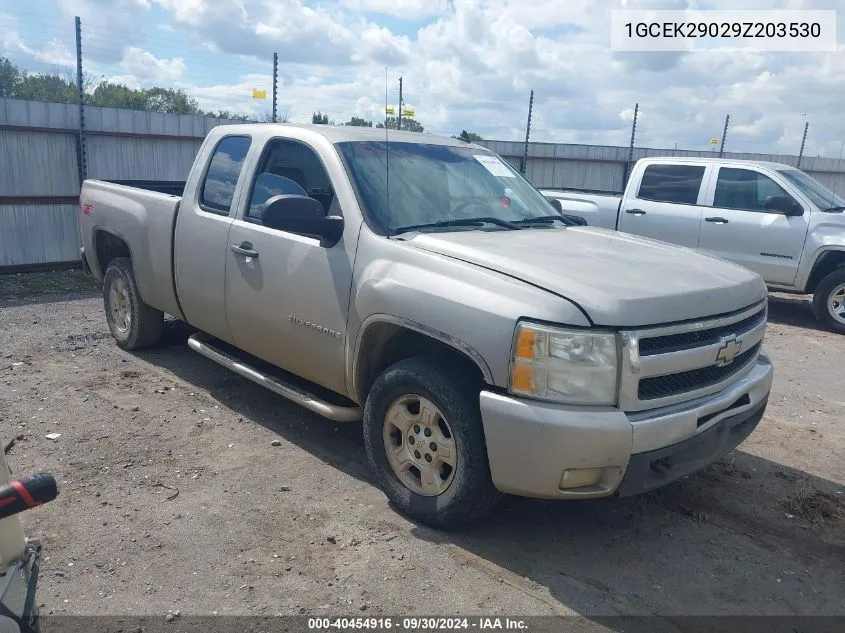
(724, 136)
(524, 164)
(631, 147)
(275, 82)
(803, 142)
(81, 155)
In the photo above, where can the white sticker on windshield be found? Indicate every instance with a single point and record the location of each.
(494, 165)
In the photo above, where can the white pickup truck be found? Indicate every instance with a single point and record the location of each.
(771, 218)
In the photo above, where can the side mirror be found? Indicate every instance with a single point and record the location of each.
(556, 204)
(303, 215)
(784, 204)
(576, 220)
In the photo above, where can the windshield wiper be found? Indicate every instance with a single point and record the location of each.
(833, 210)
(462, 222)
(545, 220)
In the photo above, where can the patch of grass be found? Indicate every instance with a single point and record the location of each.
(814, 506)
(23, 285)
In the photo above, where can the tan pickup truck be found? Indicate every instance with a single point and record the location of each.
(421, 284)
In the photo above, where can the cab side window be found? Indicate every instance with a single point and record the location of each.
(671, 183)
(745, 189)
(221, 178)
(290, 168)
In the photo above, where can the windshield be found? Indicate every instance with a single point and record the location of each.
(818, 194)
(437, 183)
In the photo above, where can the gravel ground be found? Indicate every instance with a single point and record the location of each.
(175, 498)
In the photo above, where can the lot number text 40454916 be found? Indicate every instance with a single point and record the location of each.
(409, 624)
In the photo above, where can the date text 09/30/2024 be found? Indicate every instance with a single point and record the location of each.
(417, 624)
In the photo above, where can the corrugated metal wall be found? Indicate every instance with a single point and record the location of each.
(602, 167)
(39, 177)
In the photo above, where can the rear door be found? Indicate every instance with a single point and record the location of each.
(666, 204)
(201, 238)
(737, 225)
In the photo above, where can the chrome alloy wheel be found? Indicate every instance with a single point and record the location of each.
(420, 446)
(121, 309)
(836, 304)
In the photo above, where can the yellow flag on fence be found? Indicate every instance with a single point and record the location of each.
(259, 94)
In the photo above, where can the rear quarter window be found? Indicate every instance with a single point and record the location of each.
(671, 183)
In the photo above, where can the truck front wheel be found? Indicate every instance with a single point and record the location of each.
(132, 322)
(425, 442)
(829, 301)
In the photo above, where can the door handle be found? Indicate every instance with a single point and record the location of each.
(245, 249)
(635, 211)
(716, 220)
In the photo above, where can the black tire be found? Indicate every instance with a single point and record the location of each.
(471, 493)
(827, 287)
(145, 324)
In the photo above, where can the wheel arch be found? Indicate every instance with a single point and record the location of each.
(109, 245)
(386, 340)
(825, 263)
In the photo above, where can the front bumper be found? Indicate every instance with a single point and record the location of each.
(531, 444)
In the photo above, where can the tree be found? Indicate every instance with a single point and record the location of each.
(170, 101)
(359, 122)
(9, 78)
(320, 118)
(17, 84)
(112, 95)
(408, 124)
(267, 117)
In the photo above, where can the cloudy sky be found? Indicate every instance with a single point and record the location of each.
(466, 64)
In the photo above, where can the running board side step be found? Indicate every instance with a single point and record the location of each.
(202, 344)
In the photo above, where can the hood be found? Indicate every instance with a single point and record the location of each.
(618, 279)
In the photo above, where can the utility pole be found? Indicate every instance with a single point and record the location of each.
(803, 142)
(275, 82)
(399, 121)
(524, 162)
(631, 146)
(82, 162)
(724, 136)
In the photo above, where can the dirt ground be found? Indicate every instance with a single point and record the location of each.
(173, 497)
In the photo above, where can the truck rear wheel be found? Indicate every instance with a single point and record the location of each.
(425, 442)
(132, 322)
(829, 301)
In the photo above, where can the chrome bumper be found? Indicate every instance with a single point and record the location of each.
(531, 444)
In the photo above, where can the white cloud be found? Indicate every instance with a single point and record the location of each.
(147, 67)
(472, 65)
(405, 9)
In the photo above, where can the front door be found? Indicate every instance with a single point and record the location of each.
(740, 228)
(287, 297)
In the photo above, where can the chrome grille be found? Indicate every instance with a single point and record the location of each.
(687, 340)
(686, 381)
(673, 364)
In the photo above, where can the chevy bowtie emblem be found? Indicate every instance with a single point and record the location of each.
(728, 351)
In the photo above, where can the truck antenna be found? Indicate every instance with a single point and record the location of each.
(386, 155)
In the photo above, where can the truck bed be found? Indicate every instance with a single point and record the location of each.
(142, 215)
(598, 209)
(170, 187)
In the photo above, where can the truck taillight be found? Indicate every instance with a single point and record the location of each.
(82, 209)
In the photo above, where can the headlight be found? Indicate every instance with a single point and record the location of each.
(569, 366)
